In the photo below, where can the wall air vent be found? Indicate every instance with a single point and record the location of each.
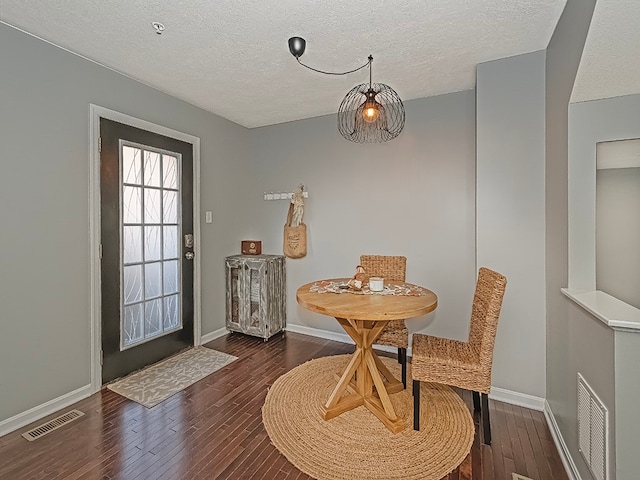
(593, 430)
(52, 425)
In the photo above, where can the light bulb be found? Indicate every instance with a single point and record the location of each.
(370, 113)
(370, 108)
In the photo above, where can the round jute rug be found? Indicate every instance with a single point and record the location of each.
(356, 445)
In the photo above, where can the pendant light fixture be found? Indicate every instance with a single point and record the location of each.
(370, 112)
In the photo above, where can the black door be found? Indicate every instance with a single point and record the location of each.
(146, 186)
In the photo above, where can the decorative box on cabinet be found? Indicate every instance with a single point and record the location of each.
(256, 294)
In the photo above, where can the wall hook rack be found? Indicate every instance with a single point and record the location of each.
(282, 195)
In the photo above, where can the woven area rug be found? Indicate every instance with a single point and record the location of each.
(159, 381)
(356, 445)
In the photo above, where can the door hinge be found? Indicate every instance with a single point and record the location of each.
(100, 251)
(101, 357)
(99, 144)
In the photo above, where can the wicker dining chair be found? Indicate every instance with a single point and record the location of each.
(464, 365)
(395, 333)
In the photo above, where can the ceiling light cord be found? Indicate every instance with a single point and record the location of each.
(369, 112)
(368, 64)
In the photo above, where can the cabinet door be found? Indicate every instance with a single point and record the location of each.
(255, 289)
(234, 294)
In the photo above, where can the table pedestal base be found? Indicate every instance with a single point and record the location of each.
(368, 381)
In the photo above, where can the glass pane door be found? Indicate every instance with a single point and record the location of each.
(151, 231)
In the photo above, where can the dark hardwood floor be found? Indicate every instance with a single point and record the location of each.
(213, 429)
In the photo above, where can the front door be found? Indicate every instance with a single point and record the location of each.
(146, 187)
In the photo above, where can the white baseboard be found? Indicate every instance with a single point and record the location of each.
(563, 450)
(500, 394)
(316, 332)
(336, 337)
(207, 337)
(36, 413)
(517, 398)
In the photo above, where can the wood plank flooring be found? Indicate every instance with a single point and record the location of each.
(213, 429)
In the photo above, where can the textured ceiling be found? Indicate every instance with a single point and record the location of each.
(230, 57)
(610, 65)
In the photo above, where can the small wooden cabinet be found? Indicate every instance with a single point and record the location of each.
(256, 294)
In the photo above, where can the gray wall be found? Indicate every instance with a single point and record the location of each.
(618, 233)
(45, 94)
(613, 371)
(627, 430)
(589, 349)
(510, 211)
(412, 196)
(590, 123)
(572, 336)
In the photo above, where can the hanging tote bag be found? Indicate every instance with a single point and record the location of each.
(295, 238)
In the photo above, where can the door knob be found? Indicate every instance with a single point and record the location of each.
(189, 255)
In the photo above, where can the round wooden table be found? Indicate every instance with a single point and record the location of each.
(366, 379)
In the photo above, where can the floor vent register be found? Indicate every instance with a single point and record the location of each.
(51, 425)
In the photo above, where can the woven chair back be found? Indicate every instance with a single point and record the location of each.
(487, 302)
(389, 267)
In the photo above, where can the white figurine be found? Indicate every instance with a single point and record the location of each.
(298, 206)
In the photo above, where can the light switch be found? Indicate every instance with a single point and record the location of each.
(208, 217)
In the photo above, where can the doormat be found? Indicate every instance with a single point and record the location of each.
(159, 381)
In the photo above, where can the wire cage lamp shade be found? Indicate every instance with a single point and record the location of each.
(371, 113)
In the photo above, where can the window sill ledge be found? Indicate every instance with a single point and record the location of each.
(614, 313)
